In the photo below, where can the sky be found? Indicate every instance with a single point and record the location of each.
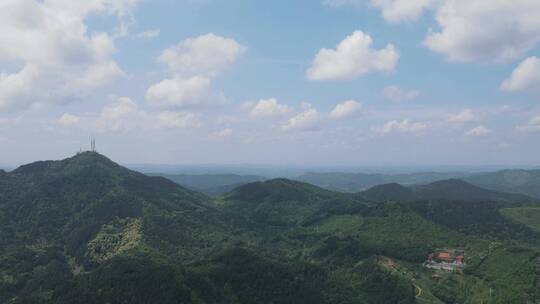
(304, 82)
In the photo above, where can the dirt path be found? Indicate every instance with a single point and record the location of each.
(419, 291)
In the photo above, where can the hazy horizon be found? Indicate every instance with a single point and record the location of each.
(294, 170)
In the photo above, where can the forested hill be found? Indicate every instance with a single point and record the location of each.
(517, 181)
(86, 230)
(212, 184)
(450, 190)
(526, 182)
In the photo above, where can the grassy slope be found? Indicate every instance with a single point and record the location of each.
(529, 216)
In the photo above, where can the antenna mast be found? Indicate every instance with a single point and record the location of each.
(93, 144)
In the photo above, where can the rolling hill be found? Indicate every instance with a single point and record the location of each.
(449, 190)
(86, 230)
(526, 182)
(355, 182)
(211, 184)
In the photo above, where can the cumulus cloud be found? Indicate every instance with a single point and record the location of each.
(227, 132)
(352, 58)
(397, 94)
(525, 77)
(268, 108)
(494, 31)
(180, 92)
(479, 131)
(307, 120)
(61, 59)
(149, 34)
(181, 120)
(120, 115)
(464, 116)
(192, 64)
(67, 120)
(533, 125)
(346, 109)
(17, 87)
(404, 126)
(204, 55)
(393, 11)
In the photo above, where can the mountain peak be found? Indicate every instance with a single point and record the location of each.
(388, 192)
(76, 163)
(278, 189)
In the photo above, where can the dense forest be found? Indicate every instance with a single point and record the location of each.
(86, 230)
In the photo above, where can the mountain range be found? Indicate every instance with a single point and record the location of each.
(525, 182)
(86, 230)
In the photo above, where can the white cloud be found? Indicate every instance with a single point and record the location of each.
(181, 93)
(305, 105)
(150, 34)
(120, 115)
(533, 125)
(17, 88)
(192, 63)
(525, 77)
(486, 31)
(342, 2)
(397, 94)
(346, 109)
(268, 108)
(204, 55)
(478, 131)
(307, 120)
(224, 133)
(181, 120)
(464, 116)
(352, 58)
(98, 75)
(121, 108)
(61, 59)
(393, 11)
(69, 120)
(404, 126)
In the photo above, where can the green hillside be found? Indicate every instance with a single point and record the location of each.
(525, 182)
(355, 182)
(212, 184)
(517, 181)
(86, 230)
(529, 216)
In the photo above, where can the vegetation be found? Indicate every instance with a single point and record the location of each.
(212, 184)
(529, 216)
(516, 181)
(85, 230)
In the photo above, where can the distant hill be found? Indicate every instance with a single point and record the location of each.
(283, 202)
(449, 190)
(389, 192)
(525, 182)
(211, 184)
(516, 181)
(455, 189)
(462, 207)
(355, 182)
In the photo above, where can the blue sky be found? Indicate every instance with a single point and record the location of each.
(359, 82)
